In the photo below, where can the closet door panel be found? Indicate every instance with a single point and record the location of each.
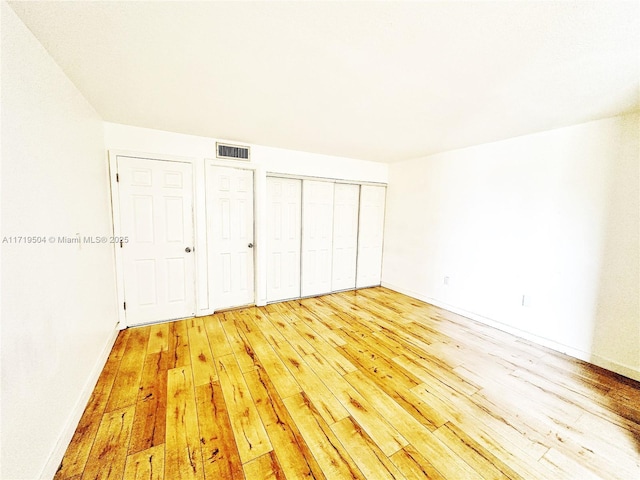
(284, 200)
(317, 237)
(371, 230)
(345, 236)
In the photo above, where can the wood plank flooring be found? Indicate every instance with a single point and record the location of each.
(357, 385)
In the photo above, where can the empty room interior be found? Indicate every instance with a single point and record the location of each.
(328, 240)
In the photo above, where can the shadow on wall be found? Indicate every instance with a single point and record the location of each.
(617, 324)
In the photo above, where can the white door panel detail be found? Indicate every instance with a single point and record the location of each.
(371, 231)
(317, 237)
(156, 214)
(230, 232)
(284, 196)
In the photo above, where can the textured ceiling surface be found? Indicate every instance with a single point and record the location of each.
(382, 81)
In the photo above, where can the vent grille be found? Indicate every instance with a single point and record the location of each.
(236, 152)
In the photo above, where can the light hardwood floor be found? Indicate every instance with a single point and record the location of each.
(368, 384)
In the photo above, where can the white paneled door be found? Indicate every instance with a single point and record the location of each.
(317, 237)
(156, 220)
(370, 235)
(345, 236)
(230, 237)
(284, 203)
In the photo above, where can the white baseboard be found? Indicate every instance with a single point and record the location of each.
(605, 363)
(71, 424)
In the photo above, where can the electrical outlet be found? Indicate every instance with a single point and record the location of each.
(446, 280)
(526, 300)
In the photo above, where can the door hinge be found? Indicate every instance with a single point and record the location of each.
(117, 177)
(125, 305)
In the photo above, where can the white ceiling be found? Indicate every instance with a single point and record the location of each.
(381, 81)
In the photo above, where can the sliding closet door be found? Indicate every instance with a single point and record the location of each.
(317, 237)
(345, 236)
(284, 203)
(370, 236)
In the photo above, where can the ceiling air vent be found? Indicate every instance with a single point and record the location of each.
(235, 152)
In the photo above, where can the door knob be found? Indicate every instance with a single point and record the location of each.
(250, 245)
(187, 249)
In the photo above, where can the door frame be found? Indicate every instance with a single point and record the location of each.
(117, 226)
(209, 162)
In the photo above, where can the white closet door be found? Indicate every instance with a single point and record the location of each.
(317, 237)
(230, 233)
(345, 236)
(284, 203)
(370, 236)
(156, 214)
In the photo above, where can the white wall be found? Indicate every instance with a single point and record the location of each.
(141, 140)
(554, 216)
(58, 301)
(201, 151)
